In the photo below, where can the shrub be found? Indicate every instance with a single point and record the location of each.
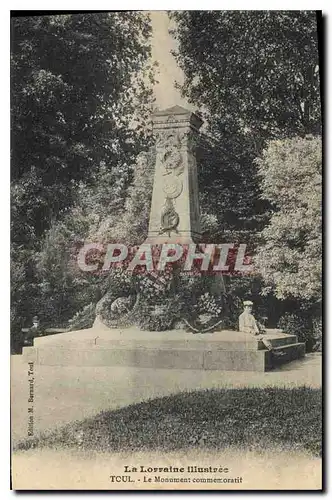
(301, 326)
(291, 180)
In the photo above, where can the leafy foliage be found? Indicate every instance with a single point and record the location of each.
(301, 325)
(81, 97)
(254, 71)
(74, 100)
(105, 210)
(255, 77)
(158, 317)
(290, 257)
(207, 303)
(131, 225)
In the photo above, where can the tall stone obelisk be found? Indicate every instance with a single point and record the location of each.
(175, 214)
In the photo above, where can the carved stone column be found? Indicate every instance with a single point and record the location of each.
(175, 214)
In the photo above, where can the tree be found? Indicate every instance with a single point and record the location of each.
(255, 77)
(290, 256)
(104, 212)
(76, 101)
(80, 99)
(130, 226)
(254, 71)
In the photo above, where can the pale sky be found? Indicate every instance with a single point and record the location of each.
(168, 71)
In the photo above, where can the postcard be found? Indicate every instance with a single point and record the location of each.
(166, 250)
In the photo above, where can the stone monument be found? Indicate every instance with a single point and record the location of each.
(174, 218)
(175, 215)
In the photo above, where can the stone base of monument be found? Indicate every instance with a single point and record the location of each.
(176, 349)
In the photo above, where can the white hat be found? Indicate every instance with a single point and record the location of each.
(248, 303)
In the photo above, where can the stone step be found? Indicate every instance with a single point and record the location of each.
(290, 351)
(289, 348)
(278, 341)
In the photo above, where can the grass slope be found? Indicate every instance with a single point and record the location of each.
(211, 419)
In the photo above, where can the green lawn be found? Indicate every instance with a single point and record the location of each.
(211, 419)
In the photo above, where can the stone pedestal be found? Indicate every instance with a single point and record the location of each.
(175, 349)
(175, 215)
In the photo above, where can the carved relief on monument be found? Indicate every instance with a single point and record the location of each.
(173, 212)
(172, 186)
(170, 219)
(170, 138)
(170, 145)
